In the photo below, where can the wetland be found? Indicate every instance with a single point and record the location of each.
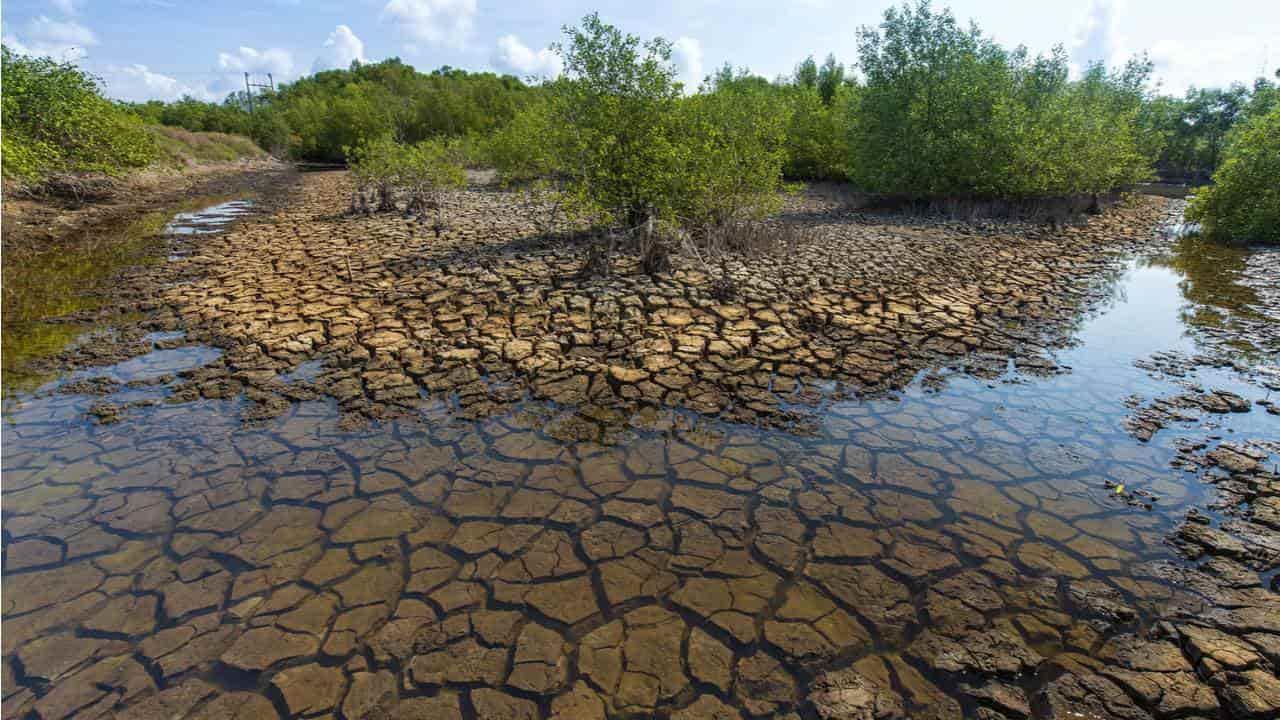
(284, 462)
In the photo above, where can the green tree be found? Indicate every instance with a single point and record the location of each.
(944, 111)
(830, 79)
(56, 120)
(1243, 204)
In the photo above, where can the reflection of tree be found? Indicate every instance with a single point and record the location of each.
(1211, 281)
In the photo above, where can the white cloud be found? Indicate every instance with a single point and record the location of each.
(433, 22)
(687, 54)
(519, 58)
(58, 39)
(276, 61)
(66, 7)
(339, 50)
(1098, 37)
(1230, 59)
(137, 83)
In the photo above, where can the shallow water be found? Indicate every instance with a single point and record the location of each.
(1019, 502)
(45, 292)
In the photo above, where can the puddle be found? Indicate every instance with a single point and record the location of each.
(41, 290)
(211, 219)
(724, 559)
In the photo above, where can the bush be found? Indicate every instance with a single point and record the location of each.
(57, 121)
(731, 151)
(424, 172)
(946, 111)
(616, 142)
(817, 137)
(1243, 204)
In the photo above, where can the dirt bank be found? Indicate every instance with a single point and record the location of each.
(33, 222)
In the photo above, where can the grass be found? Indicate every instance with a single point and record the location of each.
(182, 148)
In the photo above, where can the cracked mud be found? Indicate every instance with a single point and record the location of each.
(625, 499)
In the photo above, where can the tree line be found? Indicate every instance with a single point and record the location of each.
(937, 109)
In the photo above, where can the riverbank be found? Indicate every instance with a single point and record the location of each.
(64, 261)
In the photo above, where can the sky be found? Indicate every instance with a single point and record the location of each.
(164, 49)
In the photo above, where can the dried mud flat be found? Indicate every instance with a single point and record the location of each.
(490, 313)
(957, 552)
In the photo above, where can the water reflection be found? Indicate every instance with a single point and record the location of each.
(1219, 287)
(639, 560)
(46, 289)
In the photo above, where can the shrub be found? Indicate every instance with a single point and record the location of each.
(616, 142)
(57, 121)
(731, 151)
(1243, 204)
(817, 138)
(946, 111)
(425, 172)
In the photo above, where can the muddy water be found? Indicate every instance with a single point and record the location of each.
(573, 561)
(49, 294)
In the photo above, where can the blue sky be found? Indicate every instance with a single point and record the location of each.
(165, 48)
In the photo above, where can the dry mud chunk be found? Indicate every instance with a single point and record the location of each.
(33, 590)
(236, 706)
(881, 600)
(540, 663)
(370, 693)
(310, 688)
(653, 656)
(260, 648)
(998, 651)
(710, 660)
(731, 604)
(95, 689)
(850, 695)
(496, 705)
(1075, 695)
(568, 601)
(706, 707)
(763, 684)
(174, 702)
(464, 661)
(579, 703)
(444, 706)
(125, 614)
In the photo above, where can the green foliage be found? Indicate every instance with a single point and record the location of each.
(424, 171)
(732, 149)
(817, 136)
(318, 116)
(1190, 133)
(946, 111)
(1243, 204)
(621, 144)
(56, 120)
